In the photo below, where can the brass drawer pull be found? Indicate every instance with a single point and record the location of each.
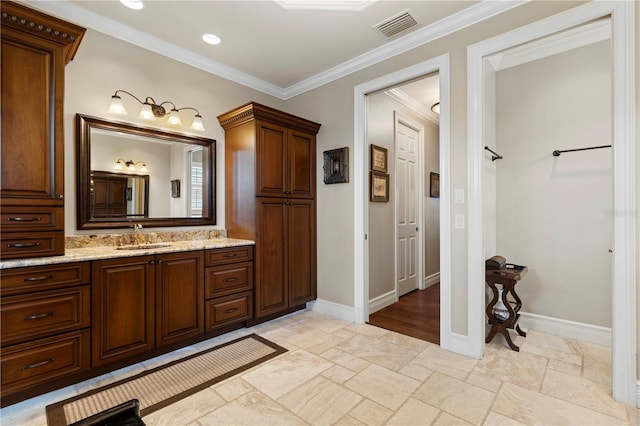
(31, 279)
(23, 219)
(230, 280)
(228, 255)
(23, 245)
(38, 364)
(38, 316)
(230, 310)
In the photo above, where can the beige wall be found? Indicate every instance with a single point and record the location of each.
(554, 214)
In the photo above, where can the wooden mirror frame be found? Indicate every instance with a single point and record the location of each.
(84, 124)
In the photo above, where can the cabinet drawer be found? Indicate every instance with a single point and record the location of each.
(26, 218)
(230, 309)
(29, 364)
(22, 280)
(39, 314)
(20, 245)
(228, 255)
(230, 279)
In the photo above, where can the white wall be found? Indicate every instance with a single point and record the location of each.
(431, 228)
(554, 213)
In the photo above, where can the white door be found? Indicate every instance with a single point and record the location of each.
(406, 190)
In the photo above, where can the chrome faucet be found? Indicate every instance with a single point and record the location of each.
(136, 228)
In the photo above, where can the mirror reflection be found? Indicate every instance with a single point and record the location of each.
(135, 174)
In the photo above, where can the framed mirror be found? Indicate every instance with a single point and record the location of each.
(130, 173)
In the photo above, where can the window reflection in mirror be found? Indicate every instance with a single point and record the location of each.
(154, 163)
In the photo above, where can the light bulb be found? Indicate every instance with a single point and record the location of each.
(116, 106)
(118, 165)
(197, 123)
(144, 168)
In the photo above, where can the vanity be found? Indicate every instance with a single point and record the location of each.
(97, 309)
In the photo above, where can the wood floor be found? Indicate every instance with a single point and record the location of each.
(416, 314)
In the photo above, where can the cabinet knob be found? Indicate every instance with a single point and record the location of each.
(60, 197)
(159, 261)
(152, 262)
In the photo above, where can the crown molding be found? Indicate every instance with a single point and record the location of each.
(413, 105)
(467, 17)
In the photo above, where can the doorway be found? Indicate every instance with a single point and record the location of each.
(439, 65)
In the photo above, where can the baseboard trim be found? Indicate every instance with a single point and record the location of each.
(431, 280)
(565, 328)
(638, 394)
(382, 301)
(336, 310)
(455, 342)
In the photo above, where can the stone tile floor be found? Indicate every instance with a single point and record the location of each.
(346, 374)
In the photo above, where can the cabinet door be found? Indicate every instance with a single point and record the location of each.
(32, 142)
(123, 308)
(302, 166)
(271, 290)
(271, 159)
(302, 251)
(180, 296)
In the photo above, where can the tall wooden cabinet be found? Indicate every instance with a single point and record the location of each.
(35, 49)
(270, 161)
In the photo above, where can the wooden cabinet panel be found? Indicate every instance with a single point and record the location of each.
(302, 252)
(223, 256)
(43, 313)
(271, 261)
(223, 280)
(180, 296)
(34, 278)
(123, 303)
(228, 310)
(19, 245)
(26, 365)
(302, 164)
(271, 160)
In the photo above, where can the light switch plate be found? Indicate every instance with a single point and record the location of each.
(459, 221)
(459, 196)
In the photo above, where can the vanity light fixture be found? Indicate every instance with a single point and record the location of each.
(436, 107)
(151, 110)
(130, 165)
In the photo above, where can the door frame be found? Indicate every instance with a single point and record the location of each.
(624, 180)
(400, 118)
(438, 65)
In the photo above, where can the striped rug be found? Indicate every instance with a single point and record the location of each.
(168, 383)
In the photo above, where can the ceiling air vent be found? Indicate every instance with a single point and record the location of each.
(396, 24)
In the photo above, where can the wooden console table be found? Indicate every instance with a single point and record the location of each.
(502, 320)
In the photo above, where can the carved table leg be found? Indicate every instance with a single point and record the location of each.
(509, 341)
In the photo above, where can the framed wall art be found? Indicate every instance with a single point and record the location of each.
(378, 159)
(175, 188)
(379, 187)
(336, 165)
(434, 185)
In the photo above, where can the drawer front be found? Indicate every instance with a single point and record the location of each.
(228, 255)
(21, 245)
(25, 218)
(224, 280)
(230, 309)
(34, 315)
(35, 278)
(29, 364)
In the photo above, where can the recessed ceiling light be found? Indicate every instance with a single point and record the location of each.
(133, 4)
(211, 39)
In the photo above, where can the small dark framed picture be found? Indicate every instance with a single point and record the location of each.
(379, 187)
(175, 188)
(434, 185)
(378, 159)
(336, 165)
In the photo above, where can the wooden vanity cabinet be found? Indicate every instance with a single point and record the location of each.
(228, 286)
(270, 178)
(145, 302)
(35, 49)
(45, 321)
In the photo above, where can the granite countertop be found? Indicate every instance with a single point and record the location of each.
(111, 252)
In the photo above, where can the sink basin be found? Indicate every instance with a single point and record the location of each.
(144, 246)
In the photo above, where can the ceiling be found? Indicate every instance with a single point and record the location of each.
(271, 48)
